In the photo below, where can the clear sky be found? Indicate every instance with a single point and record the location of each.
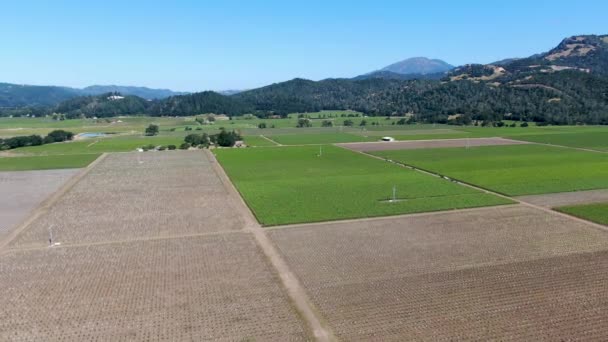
(222, 44)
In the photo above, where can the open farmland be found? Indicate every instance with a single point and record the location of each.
(24, 191)
(296, 184)
(590, 140)
(505, 273)
(152, 247)
(154, 194)
(560, 199)
(71, 161)
(327, 138)
(420, 144)
(513, 170)
(596, 212)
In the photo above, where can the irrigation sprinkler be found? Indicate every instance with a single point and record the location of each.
(320, 151)
(394, 198)
(52, 242)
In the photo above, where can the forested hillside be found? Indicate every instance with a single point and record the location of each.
(566, 85)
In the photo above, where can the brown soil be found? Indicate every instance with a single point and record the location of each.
(503, 273)
(567, 198)
(23, 191)
(153, 248)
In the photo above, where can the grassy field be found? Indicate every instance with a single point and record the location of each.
(46, 162)
(591, 140)
(98, 145)
(294, 185)
(513, 170)
(257, 141)
(302, 139)
(597, 212)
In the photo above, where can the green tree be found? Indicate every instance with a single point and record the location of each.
(327, 123)
(348, 122)
(304, 122)
(152, 130)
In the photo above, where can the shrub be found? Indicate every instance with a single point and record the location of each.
(184, 146)
(151, 130)
(171, 147)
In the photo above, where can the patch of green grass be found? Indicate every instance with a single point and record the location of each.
(323, 138)
(591, 140)
(597, 212)
(98, 145)
(294, 184)
(46, 162)
(513, 170)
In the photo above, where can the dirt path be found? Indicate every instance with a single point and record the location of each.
(433, 143)
(563, 146)
(567, 198)
(272, 141)
(301, 301)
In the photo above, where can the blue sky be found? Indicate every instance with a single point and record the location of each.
(200, 45)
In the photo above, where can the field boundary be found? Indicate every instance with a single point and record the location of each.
(272, 141)
(562, 146)
(431, 173)
(389, 217)
(47, 203)
(289, 280)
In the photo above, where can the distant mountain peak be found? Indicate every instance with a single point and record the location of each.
(419, 65)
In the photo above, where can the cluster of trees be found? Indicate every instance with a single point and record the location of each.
(224, 139)
(35, 140)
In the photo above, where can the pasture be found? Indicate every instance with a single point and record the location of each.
(513, 170)
(596, 212)
(295, 184)
(68, 161)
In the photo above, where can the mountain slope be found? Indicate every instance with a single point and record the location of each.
(418, 65)
(143, 92)
(15, 95)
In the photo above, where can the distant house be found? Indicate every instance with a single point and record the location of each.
(222, 117)
(240, 143)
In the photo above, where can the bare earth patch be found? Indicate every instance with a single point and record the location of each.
(137, 196)
(185, 289)
(23, 191)
(567, 198)
(506, 273)
(153, 248)
(420, 144)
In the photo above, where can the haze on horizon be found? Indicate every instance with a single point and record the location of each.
(200, 45)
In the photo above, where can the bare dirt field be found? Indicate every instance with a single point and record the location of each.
(503, 273)
(149, 194)
(216, 287)
(22, 191)
(153, 248)
(420, 144)
(561, 199)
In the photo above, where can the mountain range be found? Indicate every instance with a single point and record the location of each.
(567, 84)
(16, 95)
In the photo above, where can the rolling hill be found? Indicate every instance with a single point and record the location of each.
(566, 85)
